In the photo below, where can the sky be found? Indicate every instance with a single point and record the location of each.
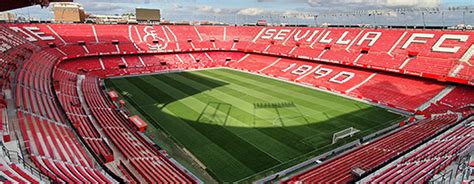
(288, 11)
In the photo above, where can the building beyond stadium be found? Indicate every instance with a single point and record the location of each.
(68, 12)
(148, 15)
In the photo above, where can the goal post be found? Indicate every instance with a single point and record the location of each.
(343, 134)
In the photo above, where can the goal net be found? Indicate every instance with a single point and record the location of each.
(343, 134)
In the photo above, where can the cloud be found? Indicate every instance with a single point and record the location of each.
(251, 11)
(124, 6)
(337, 4)
(377, 3)
(177, 7)
(118, 1)
(298, 15)
(208, 9)
(100, 7)
(293, 10)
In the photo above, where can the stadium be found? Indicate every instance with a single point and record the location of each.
(166, 102)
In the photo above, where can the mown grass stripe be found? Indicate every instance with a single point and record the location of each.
(288, 138)
(300, 92)
(280, 150)
(219, 135)
(344, 120)
(304, 99)
(280, 92)
(201, 146)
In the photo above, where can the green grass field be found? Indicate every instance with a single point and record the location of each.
(242, 126)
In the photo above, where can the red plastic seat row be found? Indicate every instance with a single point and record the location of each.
(127, 173)
(77, 115)
(432, 158)
(459, 98)
(375, 153)
(71, 173)
(145, 159)
(41, 121)
(16, 174)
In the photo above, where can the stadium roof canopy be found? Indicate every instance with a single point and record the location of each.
(14, 4)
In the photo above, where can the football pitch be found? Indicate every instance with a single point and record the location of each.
(240, 125)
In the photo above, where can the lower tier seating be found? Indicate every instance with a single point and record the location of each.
(460, 98)
(48, 143)
(15, 173)
(374, 154)
(428, 161)
(404, 92)
(45, 134)
(66, 91)
(144, 158)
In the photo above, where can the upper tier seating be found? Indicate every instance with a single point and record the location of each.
(212, 32)
(430, 53)
(466, 72)
(102, 48)
(226, 57)
(13, 49)
(108, 33)
(376, 153)
(73, 50)
(74, 33)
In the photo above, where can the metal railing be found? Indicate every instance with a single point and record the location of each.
(16, 158)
